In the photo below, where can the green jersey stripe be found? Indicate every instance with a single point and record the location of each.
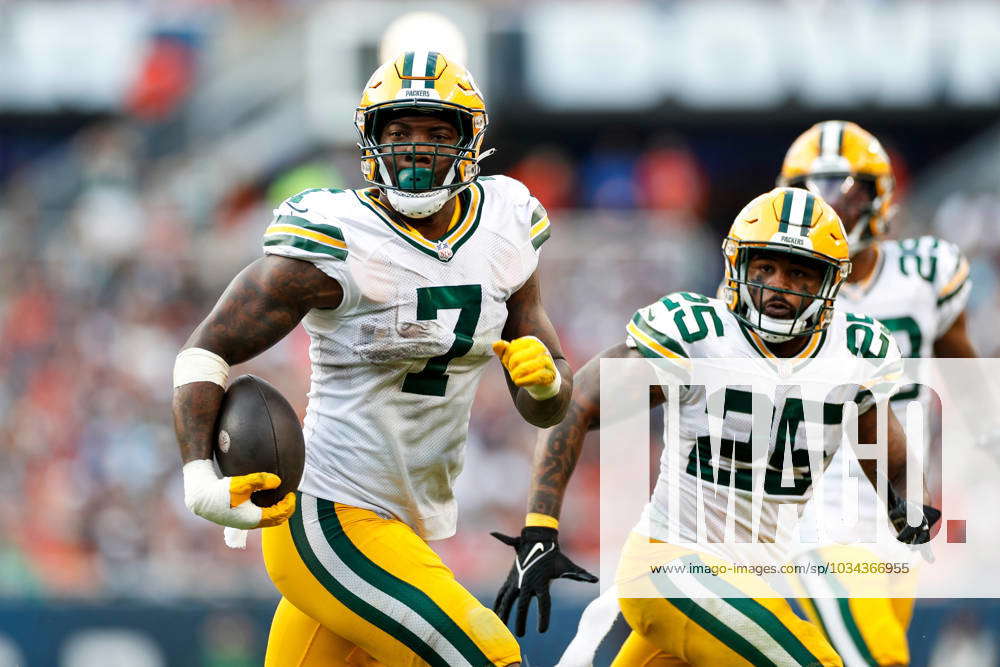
(407, 68)
(712, 625)
(464, 201)
(541, 237)
(947, 297)
(537, 214)
(432, 59)
(661, 338)
(362, 608)
(475, 223)
(329, 230)
(754, 611)
(304, 244)
(407, 593)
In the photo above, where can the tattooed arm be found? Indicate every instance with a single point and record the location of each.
(261, 305)
(526, 317)
(558, 449)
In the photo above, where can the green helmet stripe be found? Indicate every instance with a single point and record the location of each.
(831, 138)
(432, 59)
(407, 68)
(807, 215)
(786, 210)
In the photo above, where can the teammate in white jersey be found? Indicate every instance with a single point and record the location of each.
(786, 258)
(918, 289)
(407, 290)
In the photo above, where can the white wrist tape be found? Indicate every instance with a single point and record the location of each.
(199, 365)
(206, 495)
(545, 391)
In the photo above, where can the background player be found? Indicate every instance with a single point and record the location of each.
(918, 288)
(780, 305)
(405, 289)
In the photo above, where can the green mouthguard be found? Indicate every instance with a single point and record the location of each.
(415, 178)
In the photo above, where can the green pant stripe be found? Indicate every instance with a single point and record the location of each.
(819, 617)
(407, 593)
(756, 612)
(843, 604)
(367, 611)
(710, 624)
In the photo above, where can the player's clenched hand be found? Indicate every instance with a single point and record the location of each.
(530, 365)
(537, 562)
(226, 501)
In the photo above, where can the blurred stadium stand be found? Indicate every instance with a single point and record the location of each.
(142, 148)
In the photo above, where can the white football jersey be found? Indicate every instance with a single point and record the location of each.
(396, 365)
(918, 289)
(685, 325)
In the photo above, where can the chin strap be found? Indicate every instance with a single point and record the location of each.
(794, 327)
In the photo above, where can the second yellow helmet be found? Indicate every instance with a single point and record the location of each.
(846, 166)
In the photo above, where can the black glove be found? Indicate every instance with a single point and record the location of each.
(537, 562)
(906, 533)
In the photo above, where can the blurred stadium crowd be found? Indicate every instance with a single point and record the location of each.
(114, 246)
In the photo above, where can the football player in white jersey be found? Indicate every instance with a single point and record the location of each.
(407, 289)
(786, 258)
(918, 289)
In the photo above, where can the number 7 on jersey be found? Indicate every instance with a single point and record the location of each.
(433, 380)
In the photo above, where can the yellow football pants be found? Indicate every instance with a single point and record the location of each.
(362, 590)
(696, 617)
(864, 628)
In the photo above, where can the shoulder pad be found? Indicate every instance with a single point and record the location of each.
(528, 210)
(307, 222)
(511, 188)
(952, 271)
(868, 338)
(668, 327)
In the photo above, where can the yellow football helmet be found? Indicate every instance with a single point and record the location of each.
(847, 167)
(418, 82)
(794, 221)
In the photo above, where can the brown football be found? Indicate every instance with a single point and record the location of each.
(258, 431)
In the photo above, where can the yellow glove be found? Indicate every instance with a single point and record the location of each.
(226, 501)
(243, 486)
(530, 366)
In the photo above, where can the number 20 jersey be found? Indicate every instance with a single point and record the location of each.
(684, 326)
(395, 367)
